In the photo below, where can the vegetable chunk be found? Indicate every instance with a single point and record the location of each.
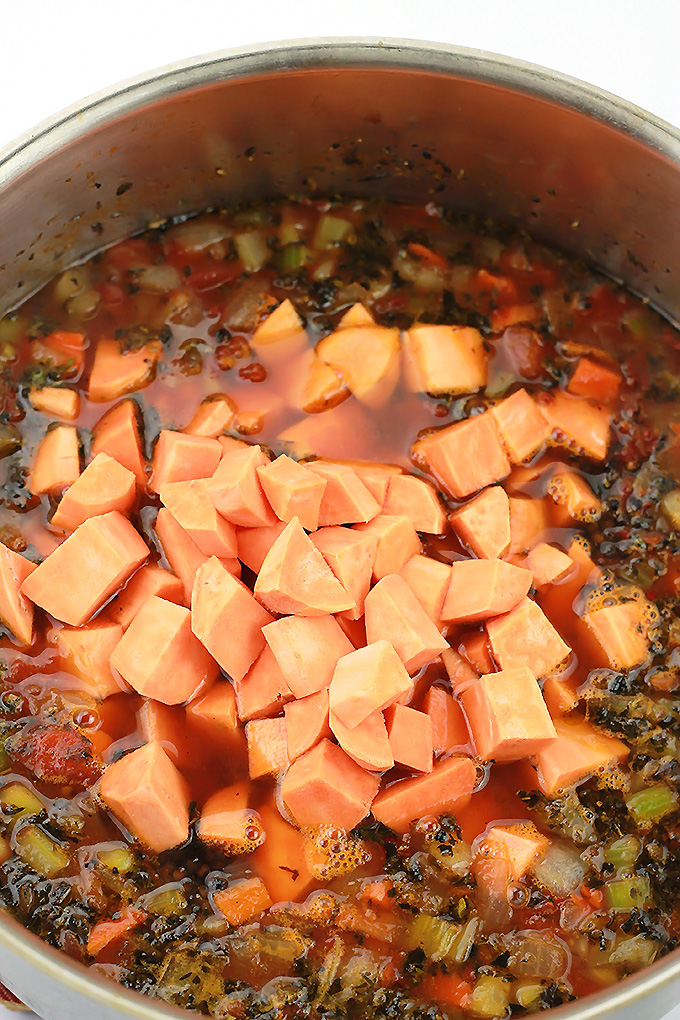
(366, 358)
(307, 650)
(577, 423)
(351, 557)
(443, 791)
(118, 434)
(236, 490)
(428, 579)
(326, 783)
(408, 496)
(88, 650)
(367, 744)
(57, 461)
(483, 524)
(227, 822)
(411, 737)
(479, 589)
(397, 541)
(190, 504)
(444, 360)
(579, 751)
(367, 680)
(149, 580)
(522, 427)
(242, 900)
(267, 747)
(58, 401)
(525, 637)
(346, 500)
(115, 373)
(178, 457)
(16, 610)
(621, 632)
(464, 457)
(306, 723)
(263, 690)
(292, 491)
(394, 614)
(104, 485)
(507, 715)
(449, 729)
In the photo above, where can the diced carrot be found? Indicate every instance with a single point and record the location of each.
(367, 680)
(525, 637)
(579, 751)
(394, 614)
(350, 556)
(150, 797)
(190, 504)
(325, 786)
(103, 486)
(166, 725)
(281, 858)
(57, 461)
(267, 747)
(621, 632)
(118, 433)
(16, 610)
(427, 256)
(306, 723)
(105, 933)
(577, 423)
(149, 580)
(357, 315)
(243, 900)
(283, 323)
(227, 822)
(213, 416)
(236, 490)
(591, 379)
(87, 568)
(511, 315)
(307, 650)
(523, 428)
(295, 578)
(63, 348)
(443, 360)
(292, 491)
(411, 737)
(87, 651)
(507, 715)
(464, 457)
(397, 542)
(444, 790)
(445, 990)
(367, 360)
(115, 373)
(367, 744)
(483, 524)
(253, 544)
(346, 500)
(227, 619)
(428, 579)
(160, 657)
(449, 729)
(321, 388)
(57, 401)
(263, 691)
(213, 715)
(178, 457)
(548, 564)
(180, 550)
(460, 671)
(479, 589)
(573, 498)
(408, 496)
(521, 845)
(528, 520)
(476, 649)
(560, 695)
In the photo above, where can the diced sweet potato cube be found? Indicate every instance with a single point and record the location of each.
(115, 373)
(213, 715)
(150, 797)
(445, 359)
(57, 460)
(573, 497)
(528, 521)
(87, 651)
(227, 619)
(577, 423)
(337, 432)
(460, 671)
(411, 737)
(267, 747)
(118, 433)
(521, 846)
(227, 822)
(523, 428)
(449, 729)
(281, 858)
(367, 680)
(579, 751)
(190, 504)
(479, 589)
(444, 790)
(323, 388)
(253, 544)
(307, 650)
(160, 657)
(548, 564)
(408, 496)
(394, 614)
(374, 475)
(236, 490)
(166, 725)
(104, 485)
(16, 611)
(213, 416)
(295, 578)
(525, 637)
(397, 542)
(621, 632)
(325, 786)
(357, 315)
(181, 552)
(263, 691)
(149, 580)
(483, 524)
(346, 500)
(507, 715)
(306, 723)
(350, 556)
(591, 379)
(367, 744)
(354, 630)
(281, 324)
(87, 568)
(178, 457)
(464, 457)
(428, 579)
(292, 491)
(476, 649)
(230, 443)
(560, 695)
(243, 900)
(57, 401)
(367, 360)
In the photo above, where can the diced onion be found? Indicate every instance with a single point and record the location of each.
(196, 235)
(561, 871)
(158, 279)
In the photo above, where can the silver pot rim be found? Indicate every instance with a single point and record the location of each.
(303, 54)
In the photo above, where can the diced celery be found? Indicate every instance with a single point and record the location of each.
(624, 852)
(292, 257)
(462, 947)
(167, 902)
(20, 800)
(252, 250)
(40, 851)
(118, 859)
(435, 936)
(330, 231)
(670, 505)
(490, 997)
(652, 804)
(626, 893)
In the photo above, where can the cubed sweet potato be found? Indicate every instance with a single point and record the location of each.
(573, 498)
(483, 524)
(236, 490)
(351, 557)
(149, 580)
(178, 457)
(507, 716)
(86, 652)
(16, 610)
(324, 785)
(408, 496)
(367, 744)
(525, 637)
(411, 737)
(522, 427)
(591, 379)
(228, 823)
(213, 416)
(394, 614)
(579, 751)
(118, 433)
(480, 589)
(253, 544)
(428, 579)
(464, 457)
(307, 650)
(577, 423)
(57, 461)
(621, 632)
(444, 790)
(367, 360)
(346, 500)
(267, 747)
(57, 401)
(443, 360)
(263, 691)
(115, 372)
(306, 723)
(548, 564)
(292, 491)
(397, 542)
(166, 725)
(367, 680)
(104, 485)
(242, 900)
(190, 504)
(449, 729)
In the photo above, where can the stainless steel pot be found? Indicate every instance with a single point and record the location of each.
(576, 167)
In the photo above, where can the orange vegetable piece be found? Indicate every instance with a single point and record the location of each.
(306, 723)
(115, 373)
(190, 504)
(87, 651)
(346, 500)
(449, 729)
(475, 648)
(253, 544)
(357, 315)
(510, 315)
(525, 637)
(103, 486)
(213, 715)
(16, 611)
(149, 580)
(367, 744)
(621, 633)
(118, 434)
(351, 557)
(281, 324)
(408, 496)
(281, 858)
(577, 423)
(579, 751)
(428, 579)
(366, 358)
(507, 715)
(411, 737)
(292, 491)
(521, 845)
(267, 747)
(150, 797)
(57, 401)
(236, 490)
(461, 672)
(166, 725)
(87, 568)
(105, 933)
(483, 524)
(295, 578)
(479, 589)
(560, 695)
(180, 550)
(591, 379)
(522, 427)
(573, 497)
(307, 650)
(227, 822)
(397, 542)
(57, 460)
(62, 347)
(323, 388)
(374, 475)
(444, 790)
(213, 416)
(445, 989)
(394, 614)
(243, 900)
(263, 690)
(528, 520)
(464, 457)
(442, 360)
(367, 680)
(548, 564)
(178, 457)
(325, 786)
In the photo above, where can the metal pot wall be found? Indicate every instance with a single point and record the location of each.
(421, 122)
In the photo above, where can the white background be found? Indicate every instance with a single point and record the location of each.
(53, 54)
